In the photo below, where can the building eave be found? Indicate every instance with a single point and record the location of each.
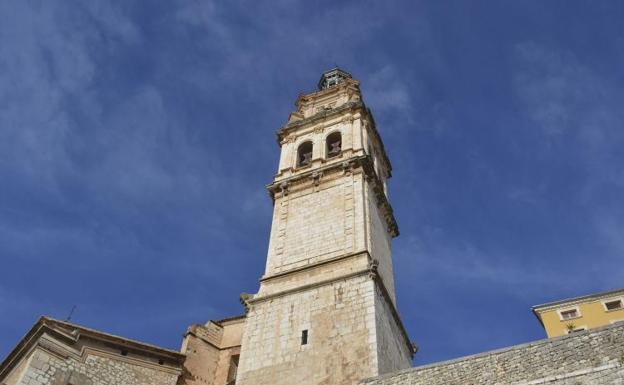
(576, 300)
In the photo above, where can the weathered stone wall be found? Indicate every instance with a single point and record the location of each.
(593, 357)
(315, 226)
(314, 223)
(341, 345)
(209, 349)
(379, 240)
(230, 346)
(393, 352)
(202, 355)
(46, 368)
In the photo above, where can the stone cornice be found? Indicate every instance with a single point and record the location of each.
(307, 267)
(348, 84)
(370, 271)
(363, 162)
(322, 115)
(255, 298)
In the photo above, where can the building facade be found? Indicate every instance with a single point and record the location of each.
(581, 313)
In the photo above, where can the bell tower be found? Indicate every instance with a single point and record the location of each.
(325, 312)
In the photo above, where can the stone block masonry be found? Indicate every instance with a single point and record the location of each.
(340, 348)
(46, 368)
(55, 352)
(593, 357)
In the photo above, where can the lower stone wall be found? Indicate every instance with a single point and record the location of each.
(49, 369)
(340, 348)
(393, 352)
(590, 357)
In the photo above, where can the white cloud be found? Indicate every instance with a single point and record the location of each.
(386, 91)
(565, 97)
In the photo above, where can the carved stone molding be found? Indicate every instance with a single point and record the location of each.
(373, 265)
(347, 167)
(316, 178)
(244, 300)
(289, 139)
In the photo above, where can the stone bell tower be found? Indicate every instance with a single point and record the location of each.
(326, 309)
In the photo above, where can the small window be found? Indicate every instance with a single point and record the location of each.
(569, 314)
(231, 379)
(304, 337)
(613, 305)
(334, 145)
(576, 330)
(304, 154)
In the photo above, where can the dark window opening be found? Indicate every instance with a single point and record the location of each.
(334, 144)
(124, 352)
(569, 314)
(613, 305)
(304, 337)
(161, 362)
(304, 154)
(231, 378)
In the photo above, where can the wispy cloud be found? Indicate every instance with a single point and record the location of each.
(387, 91)
(576, 106)
(435, 255)
(565, 97)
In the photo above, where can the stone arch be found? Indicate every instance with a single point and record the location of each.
(304, 153)
(333, 144)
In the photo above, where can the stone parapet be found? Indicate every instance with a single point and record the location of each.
(590, 357)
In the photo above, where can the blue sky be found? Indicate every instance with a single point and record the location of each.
(136, 139)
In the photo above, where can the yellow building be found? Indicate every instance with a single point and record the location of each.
(581, 313)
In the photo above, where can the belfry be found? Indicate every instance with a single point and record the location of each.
(326, 309)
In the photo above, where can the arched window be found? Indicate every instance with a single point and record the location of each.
(304, 154)
(333, 144)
